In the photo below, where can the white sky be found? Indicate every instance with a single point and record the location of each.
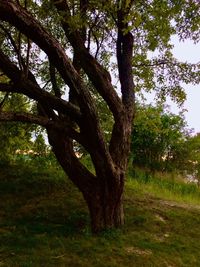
(187, 51)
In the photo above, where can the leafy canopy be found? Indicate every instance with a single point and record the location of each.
(159, 139)
(152, 23)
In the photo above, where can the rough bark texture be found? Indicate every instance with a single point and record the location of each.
(103, 193)
(77, 119)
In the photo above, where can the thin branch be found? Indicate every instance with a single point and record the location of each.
(15, 47)
(52, 72)
(151, 65)
(46, 83)
(27, 57)
(98, 46)
(19, 48)
(4, 100)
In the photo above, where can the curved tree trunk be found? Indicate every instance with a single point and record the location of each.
(103, 193)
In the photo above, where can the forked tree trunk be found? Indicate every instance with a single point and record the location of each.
(103, 193)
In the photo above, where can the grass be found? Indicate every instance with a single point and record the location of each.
(165, 186)
(44, 222)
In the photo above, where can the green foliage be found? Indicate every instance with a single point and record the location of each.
(14, 136)
(159, 20)
(158, 139)
(152, 24)
(193, 156)
(20, 141)
(39, 146)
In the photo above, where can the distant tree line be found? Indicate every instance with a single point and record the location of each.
(162, 142)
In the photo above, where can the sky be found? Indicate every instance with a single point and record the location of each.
(187, 51)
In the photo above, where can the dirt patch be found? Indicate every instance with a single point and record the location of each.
(138, 251)
(178, 205)
(160, 218)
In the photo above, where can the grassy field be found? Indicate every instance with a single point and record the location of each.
(44, 222)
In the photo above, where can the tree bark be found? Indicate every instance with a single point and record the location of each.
(102, 192)
(106, 209)
(104, 218)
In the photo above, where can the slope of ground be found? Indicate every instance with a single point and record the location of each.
(44, 222)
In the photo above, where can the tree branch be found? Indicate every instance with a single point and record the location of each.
(15, 47)
(43, 97)
(77, 172)
(88, 119)
(124, 53)
(27, 57)
(24, 117)
(120, 138)
(52, 73)
(4, 100)
(97, 74)
(27, 24)
(30, 88)
(42, 121)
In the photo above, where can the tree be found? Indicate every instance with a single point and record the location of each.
(159, 139)
(192, 157)
(51, 47)
(14, 136)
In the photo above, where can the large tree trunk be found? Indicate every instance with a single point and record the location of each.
(106, 206)
(105, 213)
(103, 193)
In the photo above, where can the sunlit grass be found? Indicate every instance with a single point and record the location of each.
(165, 187)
